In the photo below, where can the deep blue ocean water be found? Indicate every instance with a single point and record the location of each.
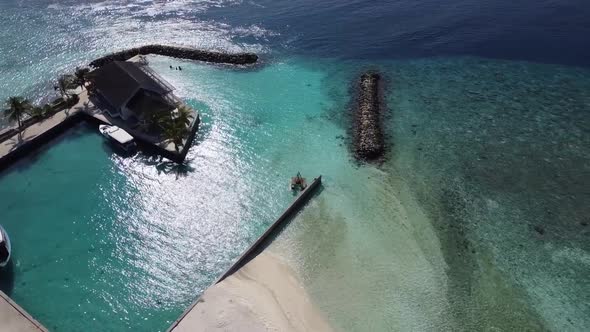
(43, 38)
(489, 134)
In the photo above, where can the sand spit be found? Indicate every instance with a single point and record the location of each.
(264, 295)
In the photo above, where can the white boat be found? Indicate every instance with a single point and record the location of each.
(118, 136)
(4, 247)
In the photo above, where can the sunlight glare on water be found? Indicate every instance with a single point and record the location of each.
(476, 220)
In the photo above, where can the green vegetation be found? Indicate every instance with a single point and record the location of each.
(81, 77)
(184, 115)
(90, 86)
(40, 111)
(64, 84)
(16, 108)
(175, 131)
(173, 126)
(154, 120)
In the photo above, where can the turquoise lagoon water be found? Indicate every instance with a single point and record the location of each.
(440, 236)
(131, 242)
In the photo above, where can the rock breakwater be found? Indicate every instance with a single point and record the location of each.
(368, 136)
(178, 52)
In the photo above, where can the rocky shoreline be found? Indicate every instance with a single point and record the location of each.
(368, 136)
(178, 52)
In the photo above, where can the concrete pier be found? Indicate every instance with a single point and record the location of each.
(250, 252)
(13, 318)
(289, 211)
(40, 133)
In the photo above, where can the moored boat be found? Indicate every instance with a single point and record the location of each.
(119, 137)
(4, 247)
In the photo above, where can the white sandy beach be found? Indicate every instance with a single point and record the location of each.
(264, 295)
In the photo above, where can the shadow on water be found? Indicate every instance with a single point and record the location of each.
(163, 165)
(7, 278)
(170, 167)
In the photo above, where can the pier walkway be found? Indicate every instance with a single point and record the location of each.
(192, 318)
(39, 128)
(37, 133)
(14, 319)
(41, 132)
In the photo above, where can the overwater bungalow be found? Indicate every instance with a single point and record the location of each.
(133, 97)
(132, 90)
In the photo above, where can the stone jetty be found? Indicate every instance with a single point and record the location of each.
(178, 52)
(368, 136)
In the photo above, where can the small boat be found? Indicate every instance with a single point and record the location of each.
(119, 137)
(4, 247)
(298, 182)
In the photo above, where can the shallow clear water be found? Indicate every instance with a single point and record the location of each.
(149, 236)
(439, 237)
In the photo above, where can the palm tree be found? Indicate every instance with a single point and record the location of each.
(16, 108)
(175, 130)
(81, 76)
(184, 115)
(155, 120)
(64, 84)
(175, 125)
(36, 112)
(40, 111)
(89, 81)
